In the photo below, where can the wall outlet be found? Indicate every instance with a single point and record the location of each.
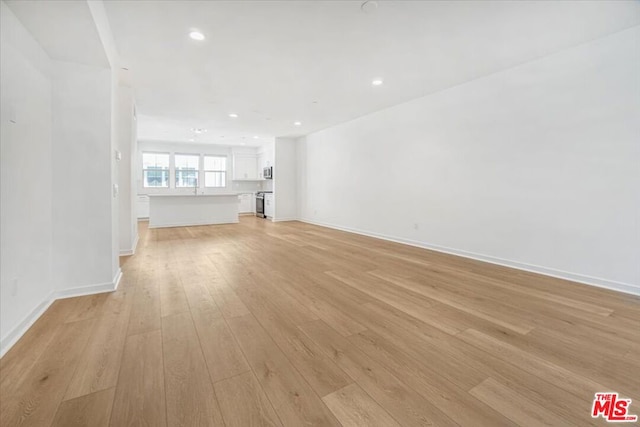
(14, 287)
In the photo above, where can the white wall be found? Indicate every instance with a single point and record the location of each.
(82, 194)
(535, 167)
(127, 146)
(26, 192)
(59, 232)
(284, 180)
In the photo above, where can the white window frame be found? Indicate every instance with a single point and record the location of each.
(168, 170)
(198, 170)
(225, 171)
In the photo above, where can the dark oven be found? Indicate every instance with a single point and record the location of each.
(260, 205)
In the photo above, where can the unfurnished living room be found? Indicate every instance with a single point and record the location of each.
(319, 213)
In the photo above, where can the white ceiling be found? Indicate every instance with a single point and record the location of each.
(64, 28)
(276, 62)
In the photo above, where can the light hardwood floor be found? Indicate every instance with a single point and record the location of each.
(293, 324)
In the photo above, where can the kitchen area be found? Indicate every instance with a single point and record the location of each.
(181, 184)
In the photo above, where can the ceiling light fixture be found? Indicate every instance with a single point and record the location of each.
(233, 115)
(297, 123)
(376, 82)
(198, 130)
(255, 137)
(196, 35)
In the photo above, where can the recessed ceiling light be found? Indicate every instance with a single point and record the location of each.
(233, 115)
(376, 82)
(191, 139)
(242, 143)
(196, 35)
(297, 123)
(198, 130)
(255, 136)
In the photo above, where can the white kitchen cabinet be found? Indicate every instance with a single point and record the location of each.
(142, 206)
(269, 205)
(264, 160)
(261, 165)
(245, 166)
(268, 158)
(246, 203)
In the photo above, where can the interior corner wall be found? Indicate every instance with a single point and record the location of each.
(534, 167)
(83, 249)
(115, 117)
(284, 180)
(26, 192)
(128, 226)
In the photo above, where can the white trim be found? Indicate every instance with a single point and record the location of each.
(286, 218)
(16, 333)
(132, 251)
(90, 289)
(575, 277)
(194, 224)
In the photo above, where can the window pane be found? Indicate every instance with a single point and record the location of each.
(156, 178)
(155, 161)
(215, 179)
(186, 178)
(187, 161)
(214, 163)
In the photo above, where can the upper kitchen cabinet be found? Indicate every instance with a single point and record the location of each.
(261, 166)
(265, 160)
(245, 167)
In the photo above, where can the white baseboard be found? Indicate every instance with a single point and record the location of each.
(132, 251)
(193, 224)
(16, 333)
(560, 274)
(79, 291)
(286, 218)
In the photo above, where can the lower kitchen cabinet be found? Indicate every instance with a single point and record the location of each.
(246, 203)
(269, 205)
(142, 207)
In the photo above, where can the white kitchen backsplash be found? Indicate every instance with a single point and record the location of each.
(251, 186)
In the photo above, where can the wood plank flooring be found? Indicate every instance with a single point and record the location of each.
(290, 324)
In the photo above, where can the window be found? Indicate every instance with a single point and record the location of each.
(215, 171)
(155, 170)
(187, 169)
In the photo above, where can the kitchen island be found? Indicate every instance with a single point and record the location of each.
(179, 210)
